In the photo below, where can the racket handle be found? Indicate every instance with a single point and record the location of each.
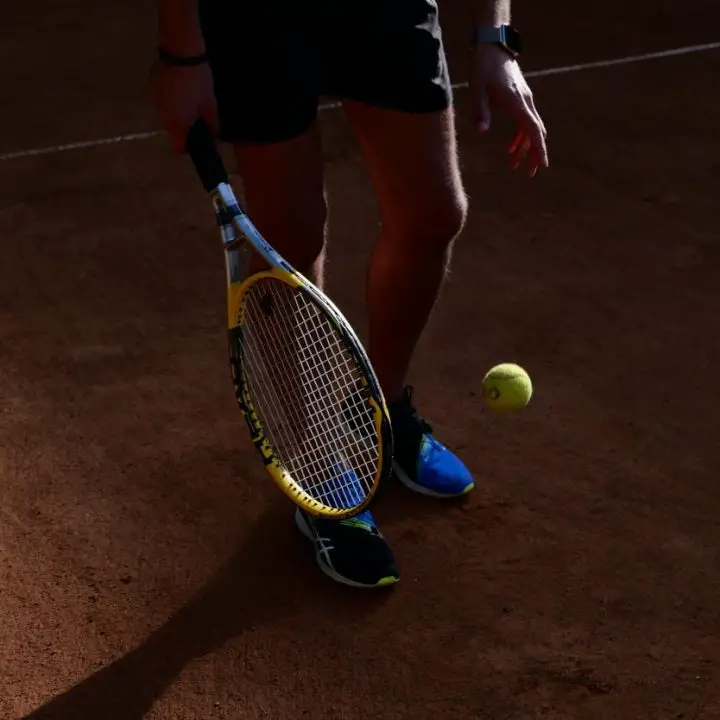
(200, 145)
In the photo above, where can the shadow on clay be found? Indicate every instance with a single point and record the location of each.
(242, 595)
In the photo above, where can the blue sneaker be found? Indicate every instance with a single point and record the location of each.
(421, 462)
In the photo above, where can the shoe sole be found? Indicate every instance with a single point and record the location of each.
(405, 480)
(304, 528)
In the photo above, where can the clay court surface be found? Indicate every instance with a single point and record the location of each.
(149, 569)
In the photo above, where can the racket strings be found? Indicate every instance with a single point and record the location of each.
(306, 390)
(312, 450)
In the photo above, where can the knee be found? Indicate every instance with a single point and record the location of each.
(451, 220)
(303, 233)
(296, 230)
(434, 226)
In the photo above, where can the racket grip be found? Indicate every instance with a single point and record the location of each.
(200, 145)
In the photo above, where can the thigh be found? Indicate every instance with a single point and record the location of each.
(266, 67)
(390, 54)
(284, 194)
(413, 163)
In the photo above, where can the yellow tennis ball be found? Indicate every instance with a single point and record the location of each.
(507, 387)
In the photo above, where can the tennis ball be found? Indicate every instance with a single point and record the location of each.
(506, 387)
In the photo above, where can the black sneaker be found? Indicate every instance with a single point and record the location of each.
(352, 551)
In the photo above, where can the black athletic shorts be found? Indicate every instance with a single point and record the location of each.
(272, 60)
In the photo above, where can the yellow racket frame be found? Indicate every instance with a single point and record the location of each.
(236, 293)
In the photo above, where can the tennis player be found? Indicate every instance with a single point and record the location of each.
(255, 70)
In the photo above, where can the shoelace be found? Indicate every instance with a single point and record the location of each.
(405, 414)
(357, 522)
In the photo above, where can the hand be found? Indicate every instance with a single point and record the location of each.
(180, 95)
(496, 82)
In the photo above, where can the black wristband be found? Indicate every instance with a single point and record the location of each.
(181, 60)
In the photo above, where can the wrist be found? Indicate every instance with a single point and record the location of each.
(178, 32)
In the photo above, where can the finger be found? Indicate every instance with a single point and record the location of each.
(515, 142)
(535, 130)
(538, 117)
(210, 115)
(528, 149)
(521, 151)
(536, 159)
(534, 162)
(525, 117)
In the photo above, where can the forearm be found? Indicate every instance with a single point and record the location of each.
(491, 13)
(178, 26)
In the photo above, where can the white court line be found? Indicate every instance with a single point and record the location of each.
(562, 70)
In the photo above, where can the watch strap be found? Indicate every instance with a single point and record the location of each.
(500, 35)
(180, 60)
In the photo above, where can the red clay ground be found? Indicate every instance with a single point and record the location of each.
(150, 570)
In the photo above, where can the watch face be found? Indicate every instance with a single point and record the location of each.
(511, 38)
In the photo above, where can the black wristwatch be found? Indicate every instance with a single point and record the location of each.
(180, 60)
(506, 36)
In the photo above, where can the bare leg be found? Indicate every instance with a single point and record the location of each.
(285, 198)
(412, 160)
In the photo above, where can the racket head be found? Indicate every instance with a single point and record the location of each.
(311, 400)
(313, 405)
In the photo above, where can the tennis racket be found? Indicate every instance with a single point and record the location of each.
(313, 405)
